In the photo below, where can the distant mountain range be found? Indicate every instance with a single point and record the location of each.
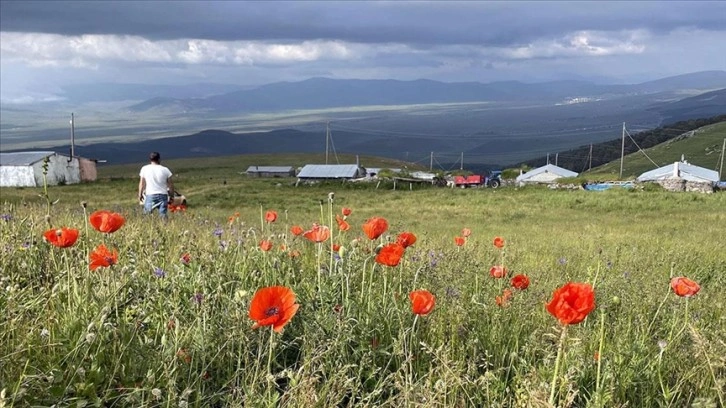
(321, 93)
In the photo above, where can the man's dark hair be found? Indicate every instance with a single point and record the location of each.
(155, 157)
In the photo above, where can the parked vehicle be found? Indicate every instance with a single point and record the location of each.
(493, 179)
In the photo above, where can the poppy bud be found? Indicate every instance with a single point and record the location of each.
(616, 300)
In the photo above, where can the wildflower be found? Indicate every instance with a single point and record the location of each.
(684, 287)
(218, 232)
(185, 259)
(184, 355)
(346, 211)
(342, 223)
(62, 237)
(406, 239)
(375, 227)
(296, 230)
(6, 217)
(265, 245)
(498, 271)
(466, 232)
(390, 254)
(572, 302)
(562, 261)
(106, 221)
(520, 281)
(198, 298)
(44, 333)
(102, 257)
(336, 247)
(503, 299)
(662, 344)
(273, 306)
(160, 273)
(318, 233)
(422, 302)
(459, 241)
(596, 356)
(499, 242)
(271, 216)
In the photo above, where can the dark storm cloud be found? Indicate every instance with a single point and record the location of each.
(418, 23)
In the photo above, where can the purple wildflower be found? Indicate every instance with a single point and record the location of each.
(562, 261)
(198, 298)
(160, 273)
(6, 217)
(218, 232)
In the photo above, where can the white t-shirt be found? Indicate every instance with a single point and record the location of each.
(155, 176)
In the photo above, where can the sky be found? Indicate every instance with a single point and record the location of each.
(48, 45)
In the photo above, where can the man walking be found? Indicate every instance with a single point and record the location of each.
(155, 185)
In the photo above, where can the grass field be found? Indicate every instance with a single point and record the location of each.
(154, 330)
(702, 148)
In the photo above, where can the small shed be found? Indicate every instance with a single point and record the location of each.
(271, 171)
(331, 171)
(546, 174)
(25, 169)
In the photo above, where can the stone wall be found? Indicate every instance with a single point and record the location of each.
(679, 184)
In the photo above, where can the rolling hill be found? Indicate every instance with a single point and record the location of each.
(701, 147)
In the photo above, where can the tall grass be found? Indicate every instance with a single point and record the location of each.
(153, 331)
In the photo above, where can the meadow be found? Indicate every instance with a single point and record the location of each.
(167, 322)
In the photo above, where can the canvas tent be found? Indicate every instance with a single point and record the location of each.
(331, 171)
(271, 171)
(25, 169)
(681, 170)
(545, 174)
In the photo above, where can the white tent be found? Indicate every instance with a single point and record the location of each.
(681, 170)
(545, 174)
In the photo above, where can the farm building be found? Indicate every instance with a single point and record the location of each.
(545, 174)
(331, 171)
(25, 169)
(423, 175)
(682, 176)
(271, 171)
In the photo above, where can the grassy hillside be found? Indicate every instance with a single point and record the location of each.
(701, 147)
(171, 315)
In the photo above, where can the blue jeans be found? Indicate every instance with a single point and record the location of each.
(160, 201)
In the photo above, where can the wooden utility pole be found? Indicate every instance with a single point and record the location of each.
(557, 158)
(720, 167)
(327, 141)
(622, 153)
(548, 158)
(73, 137)
(590, 168)
(431, 162)
(462, 161)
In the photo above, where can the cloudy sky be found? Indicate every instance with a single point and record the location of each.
(45, 45)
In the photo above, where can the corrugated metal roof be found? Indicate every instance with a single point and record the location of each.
(549, 168)
(269, 169)
(688, 172)
(329, 171)
(23, 158)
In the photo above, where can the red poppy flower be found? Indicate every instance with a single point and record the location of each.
(572, 302)
(375, 227)
(236, 214)
(684, 287)
(346, 211)
(504, 298)
(106, 221)
(422, 302)
(520, 282)
(499, 242)
(186, 259)
(102, 257)
(271, 216)
(296, 230)
(342, 223)
(319, 233)
(265, 245)
(466, 232)
(498, 271)
(390, 254)
(273, 306)
(406, 239)
(61, 237)
(294, 253)
(231, 219)
(459, 241)
(336, 247)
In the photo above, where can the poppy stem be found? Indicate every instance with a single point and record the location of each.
(262, 220)
(599, 354)
(560, 349)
